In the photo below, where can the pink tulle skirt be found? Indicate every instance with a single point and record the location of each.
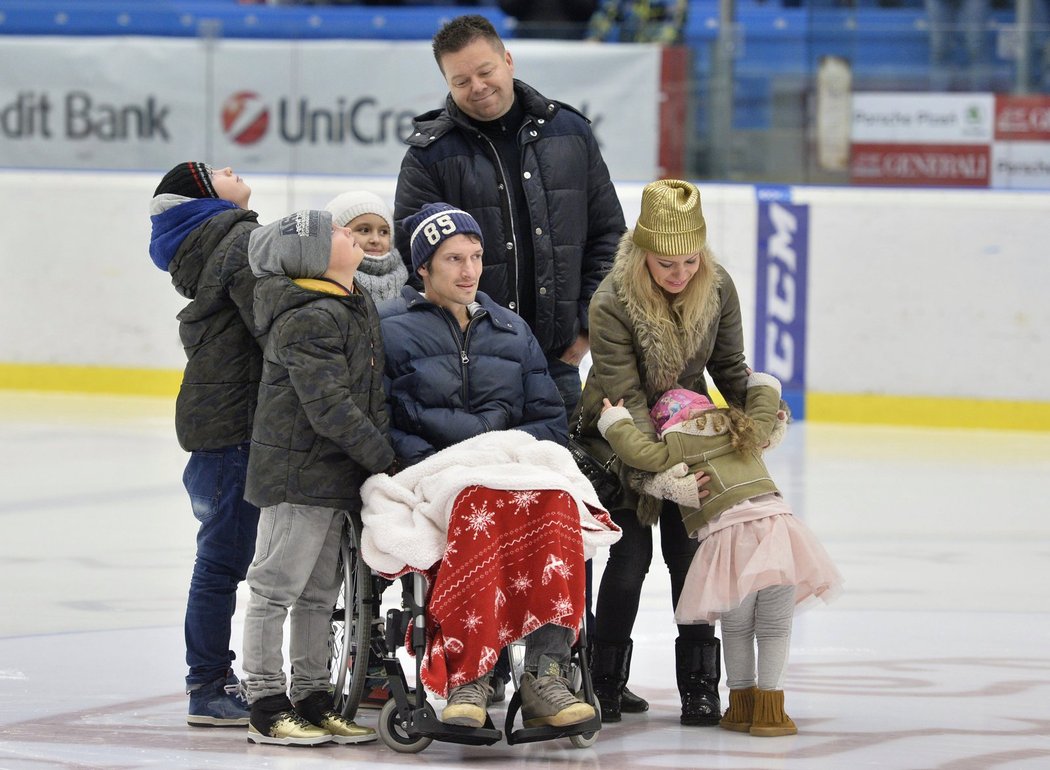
(754, 545)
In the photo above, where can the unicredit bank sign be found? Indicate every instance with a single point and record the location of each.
(322, 107)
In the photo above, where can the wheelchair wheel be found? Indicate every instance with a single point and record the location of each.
(587, 740)
(395, 736)
(352, 620)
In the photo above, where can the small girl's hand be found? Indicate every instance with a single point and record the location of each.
(606, 404)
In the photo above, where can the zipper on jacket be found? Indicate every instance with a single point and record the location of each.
(510, 211)
(461, 338)
(465, 358)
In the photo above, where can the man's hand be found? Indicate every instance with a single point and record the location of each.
(576, 351)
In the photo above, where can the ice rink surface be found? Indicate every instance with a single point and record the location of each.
(937, 654)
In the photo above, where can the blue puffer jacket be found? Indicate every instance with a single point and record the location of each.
(444, 385)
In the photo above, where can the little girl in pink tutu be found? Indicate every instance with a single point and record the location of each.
(756, 561)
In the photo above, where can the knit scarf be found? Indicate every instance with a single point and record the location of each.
(382, 277)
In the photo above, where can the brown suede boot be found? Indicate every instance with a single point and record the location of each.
(770, 719)
(741, 710)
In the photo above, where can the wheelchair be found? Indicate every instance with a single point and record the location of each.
(356, 624)
(408, 723)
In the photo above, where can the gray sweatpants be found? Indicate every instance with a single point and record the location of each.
(296, 566)
(764, 617)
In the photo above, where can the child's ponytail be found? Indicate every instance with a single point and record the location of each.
(742, 430)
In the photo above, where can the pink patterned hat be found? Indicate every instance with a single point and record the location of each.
(675, 405)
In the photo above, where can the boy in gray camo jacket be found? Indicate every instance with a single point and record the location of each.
(320, 431)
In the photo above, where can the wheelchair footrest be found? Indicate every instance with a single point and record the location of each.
(547, 733)
(426, 723)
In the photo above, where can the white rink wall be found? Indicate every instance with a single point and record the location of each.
(931, 293)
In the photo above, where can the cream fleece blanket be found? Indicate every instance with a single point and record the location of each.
(406, 516)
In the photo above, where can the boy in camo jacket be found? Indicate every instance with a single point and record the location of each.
(200, 226)
(320, 431)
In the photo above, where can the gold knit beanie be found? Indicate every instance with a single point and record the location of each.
(671, 222)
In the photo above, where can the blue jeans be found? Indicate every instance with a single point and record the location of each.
(567, 378)
(225, 545)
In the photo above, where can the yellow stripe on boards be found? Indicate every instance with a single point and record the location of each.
(91, 379)
(928, 412)
(914, 411)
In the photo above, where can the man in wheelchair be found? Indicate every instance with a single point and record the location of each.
(488, 493)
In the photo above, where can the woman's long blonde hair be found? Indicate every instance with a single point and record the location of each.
(688, 306)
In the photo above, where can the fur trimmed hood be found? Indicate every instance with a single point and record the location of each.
(667, 341)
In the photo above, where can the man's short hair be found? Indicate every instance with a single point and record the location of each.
(461, 32)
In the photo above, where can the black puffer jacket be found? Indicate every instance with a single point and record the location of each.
(575, 217)
(216, 403)
(447, 386)
(321, 423)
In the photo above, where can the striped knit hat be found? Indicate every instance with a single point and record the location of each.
(671, 223)
(433, 224)
(190, 180)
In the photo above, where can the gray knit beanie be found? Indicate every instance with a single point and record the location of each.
(298, 246)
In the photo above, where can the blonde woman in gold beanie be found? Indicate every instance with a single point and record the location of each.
(666, 313)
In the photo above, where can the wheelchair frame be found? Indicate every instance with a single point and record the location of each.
(356, 626)
(408, 723)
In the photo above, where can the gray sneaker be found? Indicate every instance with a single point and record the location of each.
(548, 700)
(466, 704)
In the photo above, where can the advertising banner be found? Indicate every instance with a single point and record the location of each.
(1021, 152)
(780, 296)
(951, 140)
(915, 139)
(917, 118)
(948, 165)
(1022, 118)
(277, 106)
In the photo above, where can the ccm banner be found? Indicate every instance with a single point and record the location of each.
(329, 107)
(780, 302)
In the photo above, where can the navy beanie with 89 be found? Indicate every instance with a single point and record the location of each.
(435, 223)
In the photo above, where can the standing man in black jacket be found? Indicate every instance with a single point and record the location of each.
(530, 172)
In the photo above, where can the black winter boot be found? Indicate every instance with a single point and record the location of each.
(608, 675)
(629, 702)
(698, 665)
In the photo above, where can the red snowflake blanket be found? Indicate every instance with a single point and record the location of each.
(514, 562)
(509, 519)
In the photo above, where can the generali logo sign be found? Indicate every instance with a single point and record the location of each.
(1022, 118)
(949, 165)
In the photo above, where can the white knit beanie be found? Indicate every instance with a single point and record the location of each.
(347, 207)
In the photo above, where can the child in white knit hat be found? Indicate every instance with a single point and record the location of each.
(382, 273)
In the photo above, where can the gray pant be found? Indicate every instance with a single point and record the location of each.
(764, 616)
(551, 642)
(296, 566)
